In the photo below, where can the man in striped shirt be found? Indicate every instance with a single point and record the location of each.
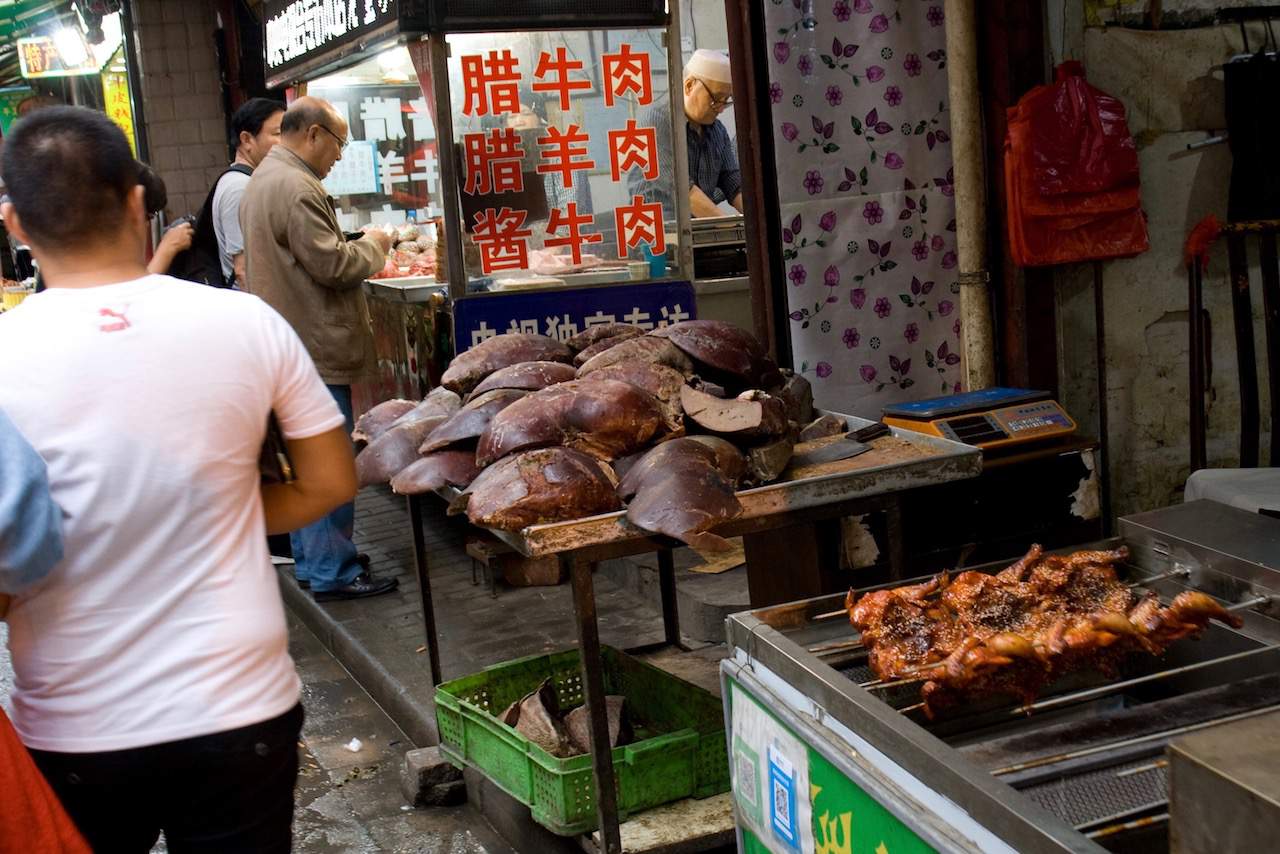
(714, 175)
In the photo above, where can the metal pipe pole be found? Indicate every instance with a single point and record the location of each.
(978, 348)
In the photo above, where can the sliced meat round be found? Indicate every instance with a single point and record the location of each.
(529, 376)
(586, 354)
(393, 451)
(453, 467)
(677, 453)
(545, 485)
(644, 349)
(470, 367)
(375, 422)
(730, 352)
(595, 334)
(469, 423)
(729, 459)
(686, 503)
(658, 380)
(604, 418)
(751, 416)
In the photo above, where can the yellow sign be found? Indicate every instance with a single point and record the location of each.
(115, 101)
(39, 56)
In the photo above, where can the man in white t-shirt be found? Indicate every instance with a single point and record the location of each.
(256, 129)
(153, 681)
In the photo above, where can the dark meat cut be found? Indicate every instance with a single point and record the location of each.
(546, 485)
(588, 353)
(752, 416)
(642, 349)
(1012, 633)
(678, 490)
(658, 380)
(469, 423)
(529, 376)
(470, 367)
(595, 334)
(375, 422)
(734, 357)
(605, 418)
(451, 467)
(395, 449)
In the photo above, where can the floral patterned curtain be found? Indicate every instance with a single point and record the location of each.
(859, 92)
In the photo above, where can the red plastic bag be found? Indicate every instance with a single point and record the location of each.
(1080, 141)
(1071, 176)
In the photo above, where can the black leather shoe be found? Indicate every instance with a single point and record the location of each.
(361, 586)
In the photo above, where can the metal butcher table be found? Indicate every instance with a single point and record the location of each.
(900, 461)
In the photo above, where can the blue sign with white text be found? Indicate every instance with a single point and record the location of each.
(563, 314)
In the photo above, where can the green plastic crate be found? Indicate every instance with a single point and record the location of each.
(686, 757)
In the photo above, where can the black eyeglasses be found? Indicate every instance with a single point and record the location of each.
(716, 102)
(342, 143)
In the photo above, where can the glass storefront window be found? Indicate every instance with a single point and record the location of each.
(389, 172)
(563, 144)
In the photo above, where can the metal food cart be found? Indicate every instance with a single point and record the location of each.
(897, 462)
(422, 155)
(816, 741)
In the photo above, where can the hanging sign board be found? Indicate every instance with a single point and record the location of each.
(305, 35)
(356, 172)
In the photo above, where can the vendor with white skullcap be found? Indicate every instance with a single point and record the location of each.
(714, 175)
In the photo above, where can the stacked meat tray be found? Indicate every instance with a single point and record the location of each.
(1026, 706)
(532, 430)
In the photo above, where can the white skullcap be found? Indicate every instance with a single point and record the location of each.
(712, 65)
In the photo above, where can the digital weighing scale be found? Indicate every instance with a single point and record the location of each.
(989, 418)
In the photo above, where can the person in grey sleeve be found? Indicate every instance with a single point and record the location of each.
(256, 129)
(30, 521)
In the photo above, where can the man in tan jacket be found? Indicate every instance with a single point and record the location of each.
(299, 262)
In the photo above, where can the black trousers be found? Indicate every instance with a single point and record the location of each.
(230, 791)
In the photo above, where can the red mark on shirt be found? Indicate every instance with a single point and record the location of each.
(113, 321)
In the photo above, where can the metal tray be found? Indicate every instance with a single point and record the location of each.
(859, 477)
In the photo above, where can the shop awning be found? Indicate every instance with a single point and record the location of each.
(20, 18)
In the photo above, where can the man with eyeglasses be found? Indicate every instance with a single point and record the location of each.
(299, 262)
(714, 175)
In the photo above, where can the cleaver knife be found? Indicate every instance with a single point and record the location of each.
(850, 445)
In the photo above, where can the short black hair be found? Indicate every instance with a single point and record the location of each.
(300, 117)
(251, 116)
(68, 170)
(156, 194)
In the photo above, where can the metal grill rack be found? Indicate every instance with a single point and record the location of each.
(1081, 768)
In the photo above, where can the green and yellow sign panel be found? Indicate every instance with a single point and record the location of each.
(792, 800)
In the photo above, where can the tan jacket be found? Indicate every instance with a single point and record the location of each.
(297, 260)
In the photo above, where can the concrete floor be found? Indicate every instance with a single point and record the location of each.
(350, 802)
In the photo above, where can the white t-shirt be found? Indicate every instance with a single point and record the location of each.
(149, 400)
(226, 219)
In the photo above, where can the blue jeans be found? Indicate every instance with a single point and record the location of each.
(323, 552)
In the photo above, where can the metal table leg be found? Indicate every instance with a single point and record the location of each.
(424, 586)
(584, 606)
(667, 586)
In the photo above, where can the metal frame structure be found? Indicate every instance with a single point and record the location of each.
(944, 794)
(799, 502)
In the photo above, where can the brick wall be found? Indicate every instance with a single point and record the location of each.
(182, 99)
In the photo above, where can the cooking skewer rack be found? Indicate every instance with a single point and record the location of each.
(1080, 767)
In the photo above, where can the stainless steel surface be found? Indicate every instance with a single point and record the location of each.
(680, 147)
(415, 289)
(1087, 765)
(1225, 794)
(438, 56)
(718, 231)
(946, 461)
(1231, 553)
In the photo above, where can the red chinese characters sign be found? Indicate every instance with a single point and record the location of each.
(492, 159)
